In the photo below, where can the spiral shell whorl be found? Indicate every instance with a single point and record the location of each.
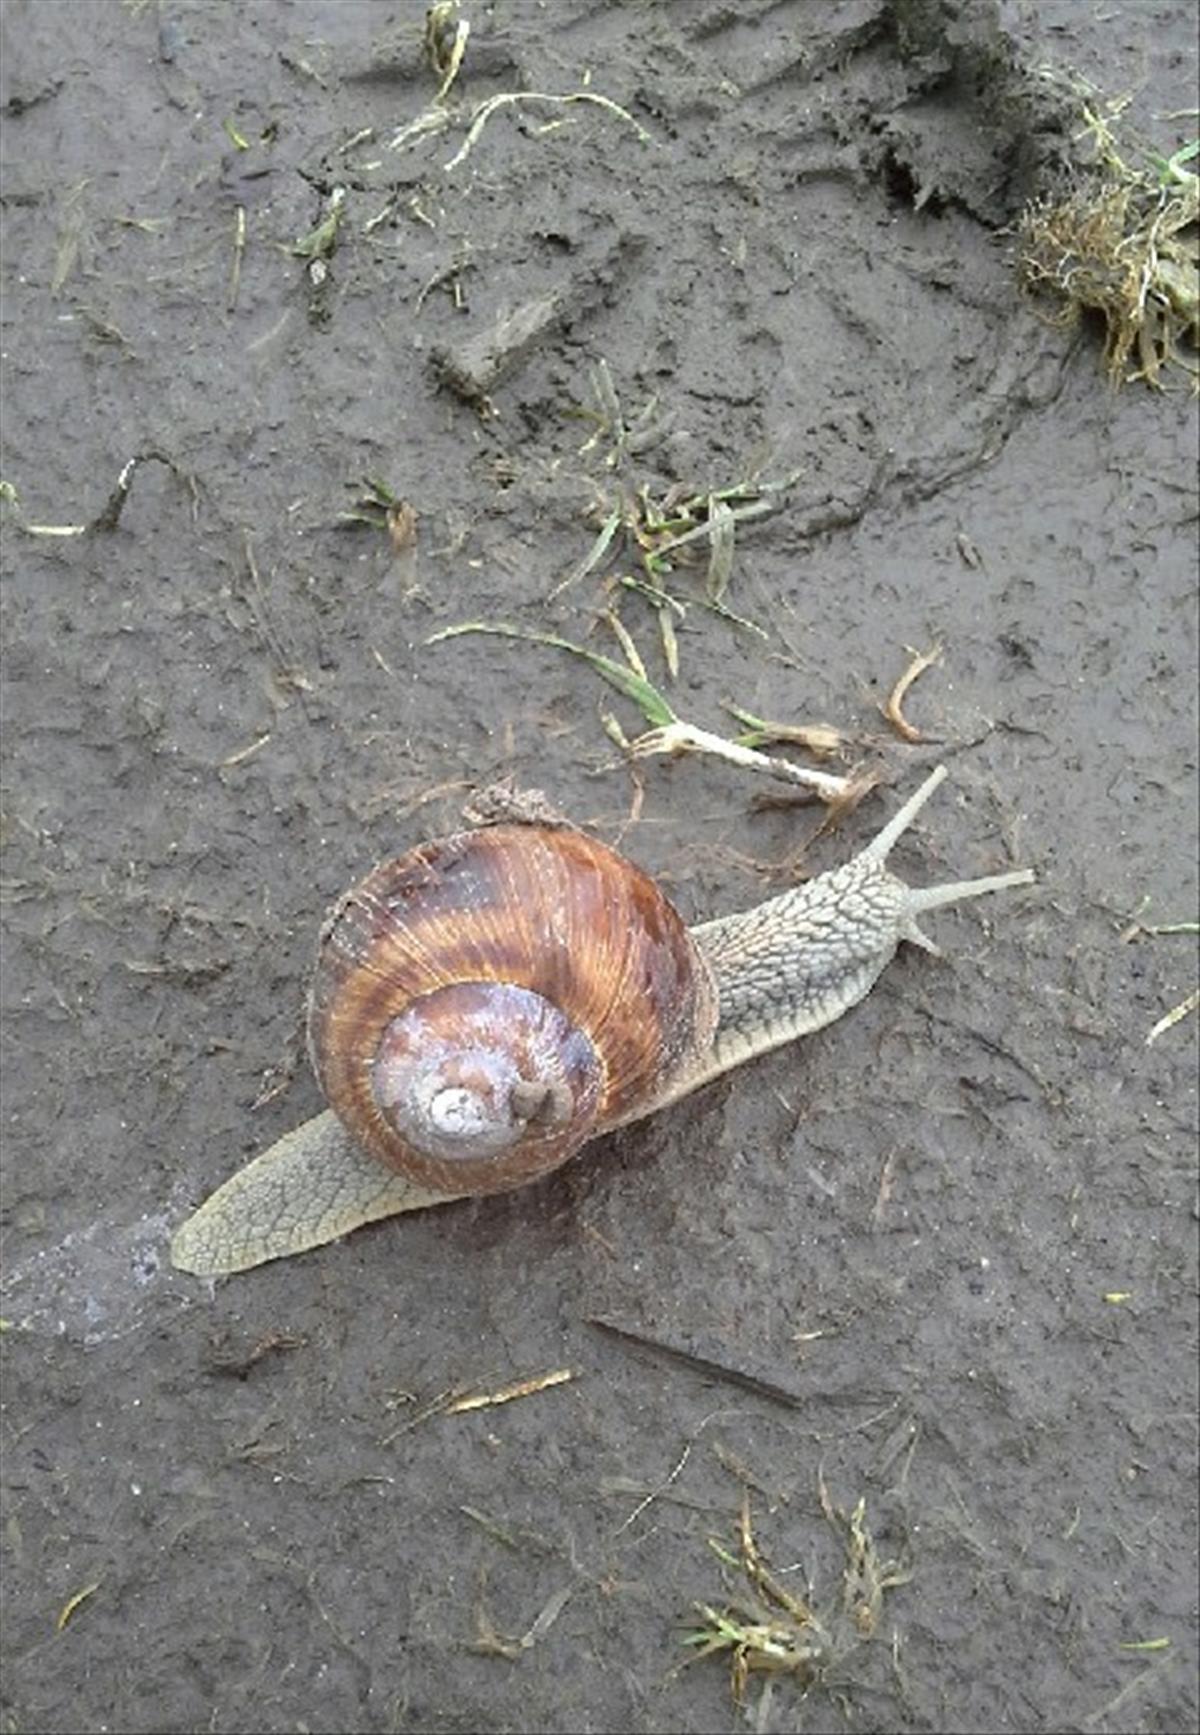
(485, 1004)
(469, 1072)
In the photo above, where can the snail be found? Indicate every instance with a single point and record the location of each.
(489, 1002)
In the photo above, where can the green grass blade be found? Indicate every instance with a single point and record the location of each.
(644, 695)
(594, 555)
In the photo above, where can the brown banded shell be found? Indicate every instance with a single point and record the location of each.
(486, 1003)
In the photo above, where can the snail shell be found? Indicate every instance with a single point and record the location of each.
(489, 1001)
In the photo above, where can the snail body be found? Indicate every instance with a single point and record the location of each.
(490, 1002)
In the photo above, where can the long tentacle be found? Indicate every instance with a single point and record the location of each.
(881, 847)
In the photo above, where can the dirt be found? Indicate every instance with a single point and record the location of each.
(941, 1256)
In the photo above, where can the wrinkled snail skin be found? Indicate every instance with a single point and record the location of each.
(657, 1024)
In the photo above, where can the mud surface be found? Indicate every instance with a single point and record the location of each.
(958, 1227)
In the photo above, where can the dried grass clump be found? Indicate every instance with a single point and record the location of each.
(1127, 247)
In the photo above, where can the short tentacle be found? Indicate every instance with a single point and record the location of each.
(922, 898)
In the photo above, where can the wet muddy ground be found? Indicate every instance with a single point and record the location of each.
(940, 1257)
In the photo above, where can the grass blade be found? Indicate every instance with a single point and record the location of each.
(644, 695)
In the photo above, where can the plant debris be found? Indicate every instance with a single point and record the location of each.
(505, 98)
(921, 660)
(459, 1400)
(1175, 1016)
(644, 695)
(74, 1602)
(490, 1643)
(669, 734)
(378, 507)
(1136, 929)
(763, 1627)
(527, 1388)
(239, 248)
(228, 1358)
(517, 1538)
(1125, 245)
(109, 515)
(702, 1365)
(653, 531)
(446, 36)
(820, 739)
(679, 737)
(320, 242)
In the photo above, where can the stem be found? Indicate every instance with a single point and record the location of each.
(687, 738)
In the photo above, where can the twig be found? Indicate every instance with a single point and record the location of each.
(72, 1603)
(506, 1394)
(887, 1176)
(1174, 1016)
(490, 1643)
(680, 737)
(446, 38)
(921, 660)
(239, 247)
(702, 1365)
(110, 514)
(504, 98)
(1118, 1699)
(656, 1492)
